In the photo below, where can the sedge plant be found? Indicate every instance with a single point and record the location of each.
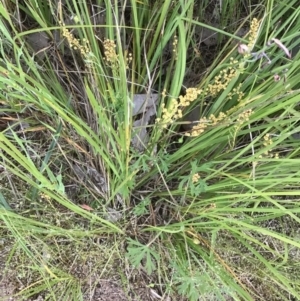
(209, 211)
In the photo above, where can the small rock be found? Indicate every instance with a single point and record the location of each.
(39, 43)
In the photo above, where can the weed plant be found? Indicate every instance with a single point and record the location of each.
(206, 209)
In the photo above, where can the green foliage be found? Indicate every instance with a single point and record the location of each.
(137, 253)
(141, 208)
(195, 188)
(196, 284)
(224, 195)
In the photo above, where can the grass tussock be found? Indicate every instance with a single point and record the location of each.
(149, 150)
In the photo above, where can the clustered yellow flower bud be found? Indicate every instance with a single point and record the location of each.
(128, 58)
(174, 109)
(45, 197)
(171, 113)
(215, 120)
(111, 56)
(204, 123)
(199, 128)
(267, 140)
(222, 80)
(195, 177)
(174, 44)
(244, 116)
(74, 43)
(241, 119)
(268, 153)
(236, 91)
(254, 26)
